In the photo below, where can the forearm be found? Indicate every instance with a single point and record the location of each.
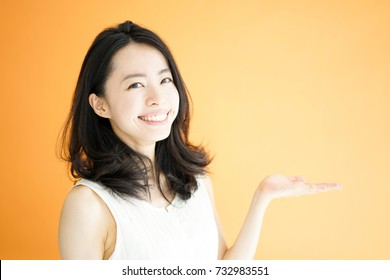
(246, 243)
(274, 186)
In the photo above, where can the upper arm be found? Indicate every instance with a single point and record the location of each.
(221, 236)
(84, 225)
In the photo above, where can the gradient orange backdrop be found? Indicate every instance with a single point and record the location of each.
(291, 87)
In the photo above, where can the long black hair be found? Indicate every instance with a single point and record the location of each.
(96, 153)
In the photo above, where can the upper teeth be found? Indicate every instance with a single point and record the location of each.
(154, 118)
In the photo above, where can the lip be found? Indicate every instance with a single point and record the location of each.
(155, 117)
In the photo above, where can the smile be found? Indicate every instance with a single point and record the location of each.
(155, 118)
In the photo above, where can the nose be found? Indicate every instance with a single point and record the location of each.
(154, 97)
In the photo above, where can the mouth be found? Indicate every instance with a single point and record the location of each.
(157, 118)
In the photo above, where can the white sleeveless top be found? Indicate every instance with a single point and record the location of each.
(183, 230)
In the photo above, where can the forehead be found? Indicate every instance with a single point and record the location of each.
(140, 58)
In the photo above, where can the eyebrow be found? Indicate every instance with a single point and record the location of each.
(143, 75)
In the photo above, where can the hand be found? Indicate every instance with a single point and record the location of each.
(277, 186)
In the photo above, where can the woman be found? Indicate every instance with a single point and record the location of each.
(143, 191)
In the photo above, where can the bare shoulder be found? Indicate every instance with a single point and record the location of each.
(84, 203)
(84, 197)
(86, 225)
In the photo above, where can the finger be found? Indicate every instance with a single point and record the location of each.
(300, 178)
(296, 178)
(323, 187)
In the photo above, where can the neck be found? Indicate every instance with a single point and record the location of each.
(146, 150)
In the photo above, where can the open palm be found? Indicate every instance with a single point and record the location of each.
(277, 186)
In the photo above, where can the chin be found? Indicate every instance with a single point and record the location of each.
(161, 137)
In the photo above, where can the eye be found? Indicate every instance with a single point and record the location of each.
(166, 80)
(135, 85)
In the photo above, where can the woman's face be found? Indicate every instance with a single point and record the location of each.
(141, 101)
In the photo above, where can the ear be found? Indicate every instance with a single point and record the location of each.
(99, 105)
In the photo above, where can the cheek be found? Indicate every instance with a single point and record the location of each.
(177, 105)
(124, 108)
(176, 101)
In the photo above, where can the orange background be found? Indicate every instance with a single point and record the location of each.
(291, 87)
